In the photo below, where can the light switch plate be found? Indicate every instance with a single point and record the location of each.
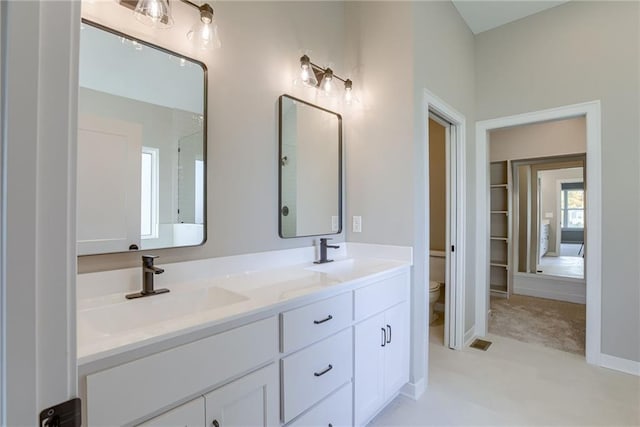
(357, 224)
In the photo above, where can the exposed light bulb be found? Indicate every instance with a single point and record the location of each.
(349, 97)
(326, 85)
(204, 33)
(307, 76)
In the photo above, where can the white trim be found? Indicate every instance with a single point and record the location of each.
(593, 254)
(619, 364)
(469, 336)
(413, 390)
(39, 137)
(155, 192)
(434, 104)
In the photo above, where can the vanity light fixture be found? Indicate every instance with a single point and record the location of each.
(204, 34)
(157, 13)
(313, 75)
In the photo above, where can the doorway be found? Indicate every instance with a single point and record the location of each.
(445, 264)
(593, 214)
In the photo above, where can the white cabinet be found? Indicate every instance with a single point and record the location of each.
(381, 347)
(250, 401)
(334, 411)
(313, 373)
(190, 414)
(369, 367)
(396, 349)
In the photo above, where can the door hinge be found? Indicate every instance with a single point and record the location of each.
(66, 414)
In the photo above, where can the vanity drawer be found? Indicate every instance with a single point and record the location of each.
(335, 410)
(313, 373)
(381, 295)
(131, 391)
(308, 324)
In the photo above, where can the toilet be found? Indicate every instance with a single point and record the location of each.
(434, 294)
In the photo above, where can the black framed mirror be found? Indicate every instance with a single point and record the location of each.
(142, 145)
(310, 169)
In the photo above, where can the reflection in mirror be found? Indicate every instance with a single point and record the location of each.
(141, 145)
(310, 169)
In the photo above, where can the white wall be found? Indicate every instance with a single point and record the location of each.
(582, 51)
(259, 59)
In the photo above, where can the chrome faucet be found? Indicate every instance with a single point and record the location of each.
(148, 271)
(323, 251)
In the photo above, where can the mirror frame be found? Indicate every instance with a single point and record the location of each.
(340, 166)
(205, 127)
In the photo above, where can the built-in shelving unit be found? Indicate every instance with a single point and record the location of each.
(500, 256)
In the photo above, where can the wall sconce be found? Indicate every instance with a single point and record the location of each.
(157, 13)
(312, 75)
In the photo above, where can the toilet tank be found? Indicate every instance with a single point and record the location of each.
(437, 266)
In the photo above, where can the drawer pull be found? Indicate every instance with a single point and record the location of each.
(319, 374)
(326, 319)
(389, 338)
(384, 337)
(215, 423)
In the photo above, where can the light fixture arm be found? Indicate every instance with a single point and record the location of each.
(318, 70)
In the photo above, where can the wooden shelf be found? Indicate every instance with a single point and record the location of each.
(500, 212)
(494, 186)
(498, 264)
(504, 239)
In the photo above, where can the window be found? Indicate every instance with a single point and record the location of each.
(149, 194)
(572, 205)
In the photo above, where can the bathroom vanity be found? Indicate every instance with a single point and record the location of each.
(262, 339)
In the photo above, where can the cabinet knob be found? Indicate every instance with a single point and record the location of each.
(215, 423)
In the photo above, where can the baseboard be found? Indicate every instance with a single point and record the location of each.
(550, 287)
(413, 390)
(619, 364)
(469, 336)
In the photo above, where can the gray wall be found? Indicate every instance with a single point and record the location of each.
(262, 43)
(573, 53)
(398, 49)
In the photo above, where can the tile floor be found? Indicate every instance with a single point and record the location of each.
(515, 384)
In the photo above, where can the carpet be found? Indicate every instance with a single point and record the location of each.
(556, 324)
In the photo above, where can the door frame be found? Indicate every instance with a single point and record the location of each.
(40, 42)
(456, 153)
(593, 221)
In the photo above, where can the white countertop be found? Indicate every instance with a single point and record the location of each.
(110, 325)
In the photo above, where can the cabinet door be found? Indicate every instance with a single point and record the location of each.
(191, 414)
(369, 368)
(248, 402)
(396, 352)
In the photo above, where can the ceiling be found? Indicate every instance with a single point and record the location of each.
(483, 15)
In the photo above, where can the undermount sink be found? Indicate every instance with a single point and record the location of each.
(335, 267)
(129, 315)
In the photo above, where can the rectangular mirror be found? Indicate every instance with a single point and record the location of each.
(141, 181)
(310, 169)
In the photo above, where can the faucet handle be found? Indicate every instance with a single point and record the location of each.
(324, 239)
(148, 259)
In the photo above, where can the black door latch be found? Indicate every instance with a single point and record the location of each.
(66, 414)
